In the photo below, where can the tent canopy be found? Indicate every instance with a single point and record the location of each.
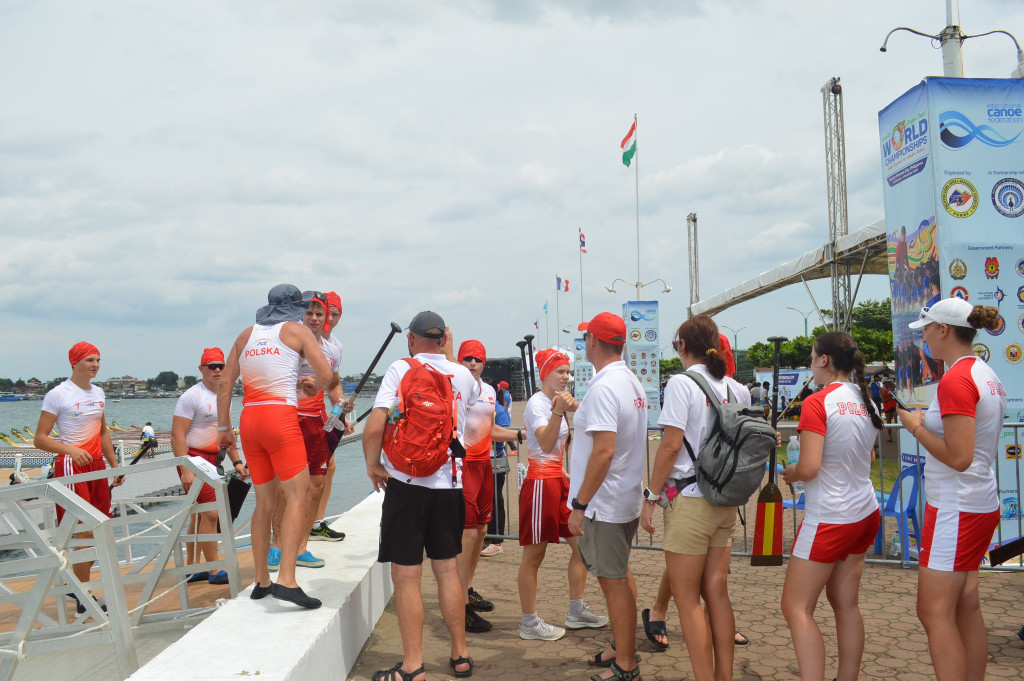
(868, 242)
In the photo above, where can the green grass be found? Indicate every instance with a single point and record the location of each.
(891, 470)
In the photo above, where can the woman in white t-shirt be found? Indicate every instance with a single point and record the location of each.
(698, 536)
(543, 497)
(838, 428)
(960, 435)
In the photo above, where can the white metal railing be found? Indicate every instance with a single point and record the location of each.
(150, 538)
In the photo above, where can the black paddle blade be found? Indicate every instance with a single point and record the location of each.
(1001, 554)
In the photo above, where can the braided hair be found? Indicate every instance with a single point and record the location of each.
(846, 357)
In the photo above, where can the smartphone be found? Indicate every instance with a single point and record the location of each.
(899, 403)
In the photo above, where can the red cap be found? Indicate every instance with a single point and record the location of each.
(548, 360)
(212, 356)
(503, 385)
(472, 348)
(606, 327)
(80, 351)
(730, 361)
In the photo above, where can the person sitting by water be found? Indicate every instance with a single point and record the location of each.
(194, 433)
(76, 408)
(267, 356)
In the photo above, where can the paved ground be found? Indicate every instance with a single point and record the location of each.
(896, 647)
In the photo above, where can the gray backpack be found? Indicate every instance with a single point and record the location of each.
(732, 458)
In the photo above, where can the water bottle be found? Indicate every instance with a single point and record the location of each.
(334, 419)
(793, 456)
(895, 546)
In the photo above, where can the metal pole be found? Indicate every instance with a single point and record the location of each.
(636, 169)
(533, 370)
(526, 370)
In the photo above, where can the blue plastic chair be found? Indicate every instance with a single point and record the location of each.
(905, 513)
(798, 504)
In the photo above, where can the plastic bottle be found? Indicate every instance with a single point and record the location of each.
(895, 547)
(793, 456)
(334, 419)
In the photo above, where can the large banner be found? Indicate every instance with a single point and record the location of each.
(641, 353)
(952, 152)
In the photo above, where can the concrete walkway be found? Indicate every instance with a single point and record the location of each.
(896, 647)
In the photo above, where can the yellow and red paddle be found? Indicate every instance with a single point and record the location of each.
(767, 548)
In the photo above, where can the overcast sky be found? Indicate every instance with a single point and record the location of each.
(162, 165)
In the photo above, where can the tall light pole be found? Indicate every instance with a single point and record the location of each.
(639, 287)
(735, 335)
(804, 314)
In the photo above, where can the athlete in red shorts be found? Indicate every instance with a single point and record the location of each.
(194, 433)
(267, 357)
(478, 481)
(76, 408)
(838, 428)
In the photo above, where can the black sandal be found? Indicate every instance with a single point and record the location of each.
(461, 660)
(619, 674)
(654, 628)
(389, 674)
(596, 661)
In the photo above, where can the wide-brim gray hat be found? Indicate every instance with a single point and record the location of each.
(286, 303)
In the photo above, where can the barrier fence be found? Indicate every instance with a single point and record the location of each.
(900, 492)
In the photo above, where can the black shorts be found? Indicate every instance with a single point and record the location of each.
(414, 519)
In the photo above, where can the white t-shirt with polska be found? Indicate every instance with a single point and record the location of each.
(466, 390)
(615, 402)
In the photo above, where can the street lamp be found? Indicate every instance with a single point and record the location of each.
(805, 316)
(735, 333)
(639, 287)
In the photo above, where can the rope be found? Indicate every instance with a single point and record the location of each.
(19, 652)
(184, 509)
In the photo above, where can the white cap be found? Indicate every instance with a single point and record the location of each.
(951, 311)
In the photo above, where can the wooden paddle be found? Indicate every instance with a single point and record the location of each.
(767, 548)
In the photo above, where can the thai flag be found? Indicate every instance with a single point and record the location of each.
(583, 241)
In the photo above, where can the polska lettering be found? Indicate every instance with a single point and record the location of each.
(254, 352)
(640, 403)
(996, 388)
(853, 408)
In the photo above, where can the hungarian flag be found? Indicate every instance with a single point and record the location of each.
(583, 241)
(629, 145)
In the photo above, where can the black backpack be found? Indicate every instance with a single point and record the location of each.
(732, 458)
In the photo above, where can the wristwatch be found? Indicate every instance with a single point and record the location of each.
(650, 497)
(577, 505)
(519, 435)
(223, 429)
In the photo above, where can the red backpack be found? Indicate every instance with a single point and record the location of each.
(421, 429)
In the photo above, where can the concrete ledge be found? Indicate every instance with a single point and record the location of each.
(277, 640)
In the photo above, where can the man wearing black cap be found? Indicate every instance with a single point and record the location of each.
(606, 481)
(421, 512)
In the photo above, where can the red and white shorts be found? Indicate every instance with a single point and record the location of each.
(956, 541)
(478, 490)
(833, 542)
(206, 494)
(543, 510)
(95, 492)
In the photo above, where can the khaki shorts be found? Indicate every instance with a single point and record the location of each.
(604, 547)
(692, 526)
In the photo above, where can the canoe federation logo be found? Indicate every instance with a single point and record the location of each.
(1008, 197)
(981, 351)
(958, 269)
(959, 292)
(956, 130)
(960, 198)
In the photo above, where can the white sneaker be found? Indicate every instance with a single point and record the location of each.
(585, 620)
(541, 631)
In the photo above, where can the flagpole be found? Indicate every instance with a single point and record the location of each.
(558, 324)
(547, 326)
(636, 168)
(582, 318)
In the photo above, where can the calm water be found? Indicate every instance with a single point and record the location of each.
(350, 482)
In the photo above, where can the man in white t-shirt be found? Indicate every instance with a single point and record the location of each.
(194, 433)
(606, 477)
(424, 513)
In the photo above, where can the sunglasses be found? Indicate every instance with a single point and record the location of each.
(472, 359)
(586, 335)
(215, 367)
(675, 344)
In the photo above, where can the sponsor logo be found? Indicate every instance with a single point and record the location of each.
(643, 371)
(960, 198)
(981, 350)
(638, 316)
(579, 358)
(1020, 324)
(1008, 197)
(651, 335)
(633, 363)
(1020, 294)
(991, 268)
(956, 131)
(1009, 508)
(958, 269)
(1013, 353)
(1012, 451)
(959, 292)
(999, 329)
(643, 355)
(998, 295)
(1005, 113)
(634, 335)
(1020, 267)
(579, 347)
